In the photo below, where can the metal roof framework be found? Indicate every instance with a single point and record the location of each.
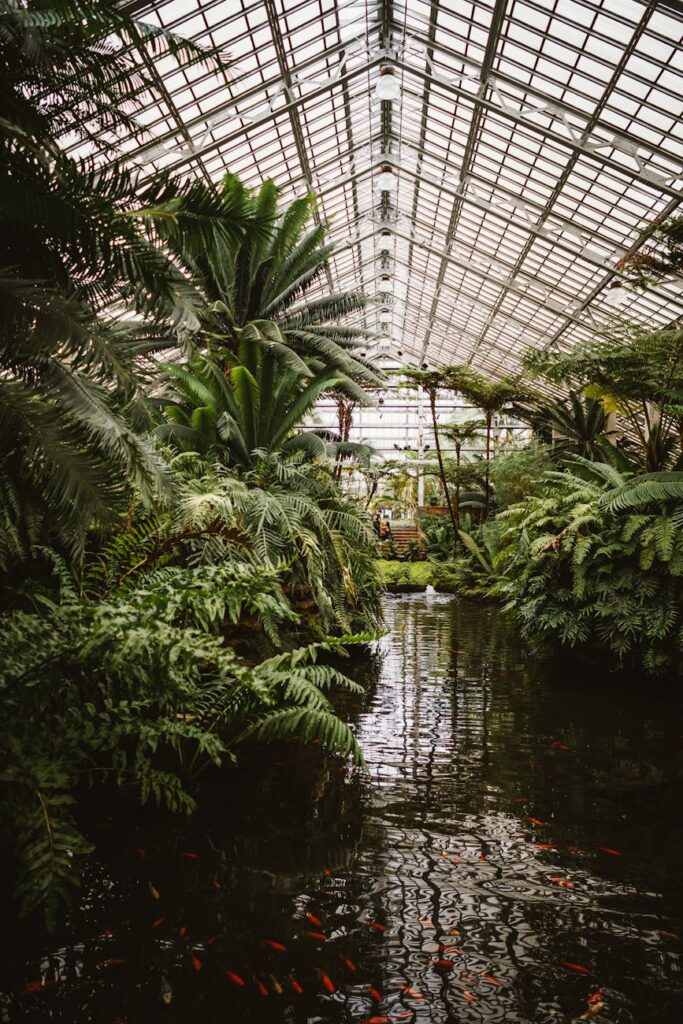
(530, 146)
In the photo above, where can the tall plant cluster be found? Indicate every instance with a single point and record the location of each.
(175, 552)
(581, 529)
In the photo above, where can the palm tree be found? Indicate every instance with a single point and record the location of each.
(245, 407)
(579, 421)
(78, 245)
(490, 396)
(273, 275)
(431, 382)
(460, 434)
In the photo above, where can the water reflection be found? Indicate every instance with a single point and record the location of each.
(512, 855)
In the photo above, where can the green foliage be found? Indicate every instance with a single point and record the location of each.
(141, 690)
(580, 568)
(574, 424)
(79, 245)
(283, 513)
(517, 473)
(636, 373)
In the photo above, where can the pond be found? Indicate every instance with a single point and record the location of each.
(512, 854)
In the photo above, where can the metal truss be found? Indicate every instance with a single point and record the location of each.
(535, 143)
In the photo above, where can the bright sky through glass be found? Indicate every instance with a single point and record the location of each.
(531, 145)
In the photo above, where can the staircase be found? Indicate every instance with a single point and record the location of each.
(403, 535)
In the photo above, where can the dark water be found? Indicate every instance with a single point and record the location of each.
(466, 741)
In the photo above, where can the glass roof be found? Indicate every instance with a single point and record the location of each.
(527, 146)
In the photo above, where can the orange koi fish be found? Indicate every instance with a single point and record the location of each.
(557, 745)
(546, 846)
(276, 985)
(450, 949)
(317, 935)
(466, 995)
(274, 945)
(377, 1020)
(37, 986)
(411, 992)
(443, 965)
(520, 800)
(312, 919)
(563, 882)
(327, 981)
(348, 963)
(196, 963)
(376, 925)
(296, 986)
(261, 987)
(606, 849)
(159, 920)
(115, 961)
(575, 967)
(188, 856)
(377, 996)
(534, 821)
(489, 977)
(182, 931)
(236, 979)
(154, 893)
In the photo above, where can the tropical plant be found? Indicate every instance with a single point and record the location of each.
(286, 513)
(635, 373)
(573, 423)
(460, 434)
(584, 570)
(490, 397)
(80, 244)
(432, 382)
(141, 691)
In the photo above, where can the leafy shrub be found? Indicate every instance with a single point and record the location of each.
(141, 690)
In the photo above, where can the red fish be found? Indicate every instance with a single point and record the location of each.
(216, 884)
(563, 882)
(37, 986)
(327, 981)
(196, 963)
(595, 997)
(274, 945)
(210, 942)
(376, 925)
(261, 987)
(115, 961)
(575, 967)
(312, 919)
(236, 979)
(426, 922)
(482, 856)
(411, 992)
(377, 1020)
(546, 846)
(377, 996)
(317, 935)
(453, 931)
(466, 995)
(159, 920)
(491, 980)
(534, 821)
(606, 849)
(667, 935)
(296, 986)
(520, 800)
(182, 931)
(556, 745)
(107, 934)
(348, 963)
(327, 873)
(450, 949)
(443, 965)
(189, 856)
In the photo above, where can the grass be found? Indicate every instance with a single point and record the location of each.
(405, 574)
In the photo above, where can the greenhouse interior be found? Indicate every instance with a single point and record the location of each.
(341, 473)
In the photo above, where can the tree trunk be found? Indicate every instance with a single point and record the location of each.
(442, 471)
(487, 493)
(457, 486)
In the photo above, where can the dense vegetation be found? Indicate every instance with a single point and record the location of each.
(175, 553)
(579, 531)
